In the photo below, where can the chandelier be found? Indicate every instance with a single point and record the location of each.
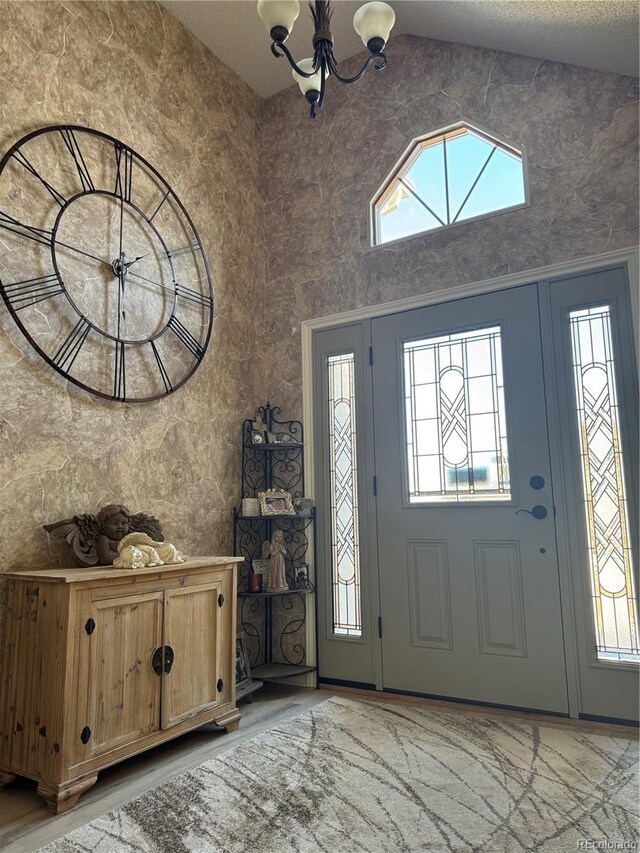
(372, 22)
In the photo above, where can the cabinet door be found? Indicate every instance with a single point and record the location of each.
(124, 690)
(193, 629)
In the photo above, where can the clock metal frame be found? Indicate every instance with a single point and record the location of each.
(43, 285)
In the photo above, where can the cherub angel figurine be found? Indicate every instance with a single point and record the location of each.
(93, 539)
(137, 550)
(277, 552)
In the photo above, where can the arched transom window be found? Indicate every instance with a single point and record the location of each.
(445, 178)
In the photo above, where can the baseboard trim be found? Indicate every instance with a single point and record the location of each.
(356, 685)
(611, 721)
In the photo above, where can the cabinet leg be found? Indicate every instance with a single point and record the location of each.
(61, 798)
(5, 777)
(229, 721)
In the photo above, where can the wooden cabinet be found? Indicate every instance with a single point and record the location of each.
(100, 664)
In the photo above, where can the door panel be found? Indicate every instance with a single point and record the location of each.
(461, 554)
(124, 691)
(429, 594)
(193, 631)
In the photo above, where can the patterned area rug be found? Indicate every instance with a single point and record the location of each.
(371, 777)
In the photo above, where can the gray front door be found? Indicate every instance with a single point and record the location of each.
(468, 570)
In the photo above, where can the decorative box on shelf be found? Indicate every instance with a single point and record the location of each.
(274, 617)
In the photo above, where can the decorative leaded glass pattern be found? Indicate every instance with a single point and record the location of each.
(456, 434)
(445, 178)
(345, 549)
(606, 513)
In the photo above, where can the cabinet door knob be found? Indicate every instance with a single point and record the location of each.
(220, 600)
(168, 658)
(156, 661)
(220, 685)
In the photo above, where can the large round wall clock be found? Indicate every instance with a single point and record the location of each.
(101, 266)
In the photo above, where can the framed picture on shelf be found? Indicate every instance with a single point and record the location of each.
(304, 507)
(301, 580)
(261, 567)
(276, 502)
(257, 437)
(243, 670)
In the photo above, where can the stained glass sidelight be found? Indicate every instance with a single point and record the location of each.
(345, 555)
(606, 513)
(456, 434)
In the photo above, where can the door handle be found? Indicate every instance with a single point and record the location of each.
(539, 512)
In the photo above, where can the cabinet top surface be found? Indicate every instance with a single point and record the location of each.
(75, 575)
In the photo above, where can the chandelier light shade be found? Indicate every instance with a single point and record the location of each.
(372, 22)
(279, 15)
(307, 84)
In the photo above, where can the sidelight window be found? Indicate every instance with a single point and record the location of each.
(345, 549)
(606, 515)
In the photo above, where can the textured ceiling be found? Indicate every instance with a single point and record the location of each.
(599, 34)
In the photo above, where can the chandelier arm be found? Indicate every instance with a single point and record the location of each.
(323, 77)
(286, 52)
(363, 70)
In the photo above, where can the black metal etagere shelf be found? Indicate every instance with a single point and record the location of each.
(271, 620)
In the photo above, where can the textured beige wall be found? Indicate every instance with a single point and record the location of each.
(131, 70)
(580, 131)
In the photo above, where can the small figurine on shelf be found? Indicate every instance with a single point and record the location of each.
(136, 550)
(277, 571)
(114, 526)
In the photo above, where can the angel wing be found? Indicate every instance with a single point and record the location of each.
(143, 523)
(79, 533)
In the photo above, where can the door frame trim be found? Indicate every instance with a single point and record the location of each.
(629, 257)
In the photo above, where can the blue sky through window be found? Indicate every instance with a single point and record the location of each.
(417, 200)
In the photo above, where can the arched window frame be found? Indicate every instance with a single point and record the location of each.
(411, 153)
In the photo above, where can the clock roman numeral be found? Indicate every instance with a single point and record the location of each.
(39, 235)
(163, 373)
(119, 379)
(74, 149)
(164, 198)
(20, 294)
(124, 170)
(72, 345)
(185, 337)
(193, 295)
(194, 247)
(19, 157)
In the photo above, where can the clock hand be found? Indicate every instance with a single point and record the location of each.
(135, 260)
(151, 281)
(121, 219)
(121, 283)
(82, 252)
